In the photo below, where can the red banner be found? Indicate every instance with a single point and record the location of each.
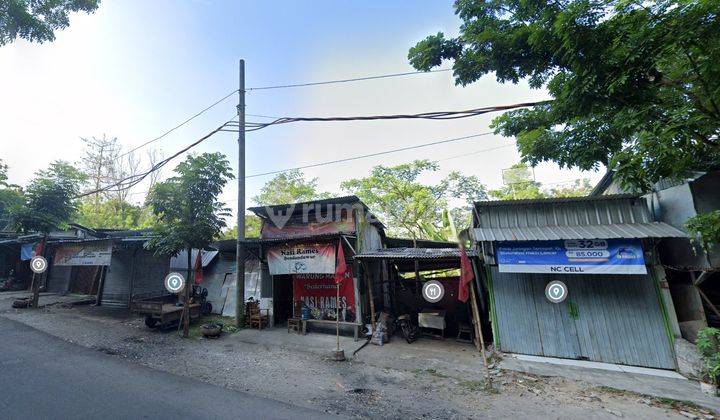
(318, 292)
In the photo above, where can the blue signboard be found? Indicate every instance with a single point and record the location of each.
(581, 256)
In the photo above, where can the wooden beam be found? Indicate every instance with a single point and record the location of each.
(710, 304)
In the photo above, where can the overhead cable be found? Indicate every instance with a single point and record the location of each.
(356, 79)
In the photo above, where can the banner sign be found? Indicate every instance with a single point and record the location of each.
(290, 230)
(302, 258)
(582, 256)
(95, 253)
(318, 292)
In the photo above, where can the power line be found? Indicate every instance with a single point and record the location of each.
(356, 79)
(436, 115)
(314, 165)
(179, 125)
(133, 180)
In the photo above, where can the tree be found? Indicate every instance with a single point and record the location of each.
(519, 183)
(113, 214)
(37, 20)
(252, 229)
(408, 206)
(50, 203)
(635, 85)
(50, 199)
(578, 188)
(289, 187)
(97, 161)
(188, 211)
(11, 197)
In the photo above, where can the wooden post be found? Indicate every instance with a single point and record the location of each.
(186, 293)
(371, 297)
(478, 332)
(337, 315)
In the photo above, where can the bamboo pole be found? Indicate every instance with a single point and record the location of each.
(478, 332)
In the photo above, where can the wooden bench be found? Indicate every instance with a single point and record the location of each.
(356, 326)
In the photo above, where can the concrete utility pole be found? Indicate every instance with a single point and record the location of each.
(240, 262)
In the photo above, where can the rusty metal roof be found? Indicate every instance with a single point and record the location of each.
(414, 254)
(599, 217)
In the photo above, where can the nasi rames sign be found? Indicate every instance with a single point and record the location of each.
(302, 258)
(594, 256)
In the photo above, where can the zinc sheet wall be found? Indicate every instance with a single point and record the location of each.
(614, 319)
(116, 287)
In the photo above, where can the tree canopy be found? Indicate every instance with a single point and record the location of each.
(410, 207)
(289, 187)
(188, 212)
(49, 199)
(635, 85)
(37, 20)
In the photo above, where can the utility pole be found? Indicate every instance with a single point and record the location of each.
(240, 262)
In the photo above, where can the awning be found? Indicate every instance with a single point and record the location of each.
(414, 254)
(179, 262)
(608, 231)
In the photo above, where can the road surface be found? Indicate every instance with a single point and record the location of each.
(42, 376)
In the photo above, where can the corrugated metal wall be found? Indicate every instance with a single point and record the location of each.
(149, 273)
(615, 319)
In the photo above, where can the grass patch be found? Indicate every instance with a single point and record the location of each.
(474, 386)
(196, 325)
(432, 372)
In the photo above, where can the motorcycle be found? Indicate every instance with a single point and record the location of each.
(409, 329)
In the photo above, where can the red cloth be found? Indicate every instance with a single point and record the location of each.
(340, 267)
(39, 248)
(466, 275)
(198, 268)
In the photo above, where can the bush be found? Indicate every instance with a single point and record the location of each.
(708, 344)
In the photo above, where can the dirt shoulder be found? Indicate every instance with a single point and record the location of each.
(360, 388)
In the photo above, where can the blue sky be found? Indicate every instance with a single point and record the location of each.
(136, 68)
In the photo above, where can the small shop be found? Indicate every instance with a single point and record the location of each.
(421, 287)
(577, 278)
(301, 251)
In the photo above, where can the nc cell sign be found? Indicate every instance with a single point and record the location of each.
(595, 256)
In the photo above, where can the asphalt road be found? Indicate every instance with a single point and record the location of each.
(42, 376)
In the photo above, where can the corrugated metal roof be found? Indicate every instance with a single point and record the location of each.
(414, 253)
(179, 262)
(601, 217)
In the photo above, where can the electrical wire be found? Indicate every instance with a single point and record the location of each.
(181, 124)
(133, 180)
(356, 79)
(315, 165)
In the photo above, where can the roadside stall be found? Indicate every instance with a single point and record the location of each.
(300, 255)
(577, 278)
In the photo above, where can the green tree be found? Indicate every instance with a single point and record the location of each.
(519, 183)
(635, 85)
(289, 187)
(188, 211)
(410, 207)
(37, 20)
(11, 196)
(112, 214)
(252, 228)
(49, 199)
(578, 188)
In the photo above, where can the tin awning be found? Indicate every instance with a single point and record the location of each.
(546, 233)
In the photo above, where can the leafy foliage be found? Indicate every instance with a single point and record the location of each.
(114, 214)
(252, 228)
(49, 199)
(708, 344)
(410, 207)
(635, 85)
(289, 187)
(11, 196)
(704, 229)
(578, 188)
(520, 184)
(37, 20)
(189, 215)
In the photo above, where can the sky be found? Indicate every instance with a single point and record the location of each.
(135, 69)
